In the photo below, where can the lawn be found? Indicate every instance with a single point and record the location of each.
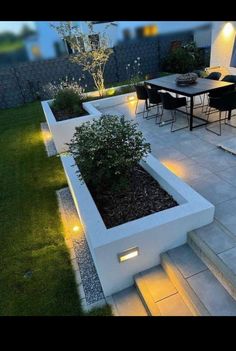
(36, 277)
(8, 46)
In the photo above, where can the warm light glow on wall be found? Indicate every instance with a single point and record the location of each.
(228, 29)
(128, 254)
(76, 228)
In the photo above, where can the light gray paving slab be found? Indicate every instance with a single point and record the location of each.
(168, 153)
(216, 299)
(158, 283)
(225, 212)
(216, 160)
(173, 306)
(229, 258)
(188, 170)
(128, 303)
(229, 175)
(214, 236)
(229, 145)
(203, 134)
(193, 147)
(186, 260)
(214, 189)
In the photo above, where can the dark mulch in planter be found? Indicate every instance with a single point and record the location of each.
(65, 114)
(144, 197)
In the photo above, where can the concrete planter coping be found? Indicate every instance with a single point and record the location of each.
(63, 131)
(152, 234)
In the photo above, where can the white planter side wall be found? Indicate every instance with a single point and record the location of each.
(152, 234)
(116, 276)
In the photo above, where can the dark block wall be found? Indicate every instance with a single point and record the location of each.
(20, 83)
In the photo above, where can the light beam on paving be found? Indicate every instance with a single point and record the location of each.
(175, 167)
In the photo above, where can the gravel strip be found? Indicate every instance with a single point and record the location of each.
(49, 144)
(91, 283)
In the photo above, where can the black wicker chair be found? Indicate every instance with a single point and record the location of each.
(220, 92)
(154, 99)
(172, 103)
(225, 103)
(213, 76)
(143, 96)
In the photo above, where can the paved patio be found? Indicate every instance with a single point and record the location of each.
(211, 171)
(193, 156)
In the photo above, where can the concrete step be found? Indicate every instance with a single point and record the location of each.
(127, 303)
(159, 295)
(199, 288)
(217, 249)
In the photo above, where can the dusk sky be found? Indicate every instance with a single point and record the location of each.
(14, 26)
(164, 26)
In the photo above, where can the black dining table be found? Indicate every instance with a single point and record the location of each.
(201, 86)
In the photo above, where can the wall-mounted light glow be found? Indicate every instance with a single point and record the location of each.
(228, 29)
(127, 254)
(75, 228)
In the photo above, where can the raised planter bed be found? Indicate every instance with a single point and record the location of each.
(63, 131)
(150, 235)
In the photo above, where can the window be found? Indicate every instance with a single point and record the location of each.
(150, 30)
(70, 50)
(36, 51)
(59, 50)
(139, 32)
(68, 47)
(94, 41)
(127, 34)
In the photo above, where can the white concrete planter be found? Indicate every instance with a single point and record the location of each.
(152, 235)
(63, 131)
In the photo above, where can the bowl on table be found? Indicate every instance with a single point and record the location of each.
(186, 79)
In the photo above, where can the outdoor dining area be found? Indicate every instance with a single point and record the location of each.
(179, 92)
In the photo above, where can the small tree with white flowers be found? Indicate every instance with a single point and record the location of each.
(91, 56)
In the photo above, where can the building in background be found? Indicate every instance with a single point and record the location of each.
(47, 44)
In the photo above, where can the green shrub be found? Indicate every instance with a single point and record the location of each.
(106, 150)
(183, 59)
(68, 100)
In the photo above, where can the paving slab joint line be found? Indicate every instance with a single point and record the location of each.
(150, 306)
(189, 296)
(218, 268)
(225, 230)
